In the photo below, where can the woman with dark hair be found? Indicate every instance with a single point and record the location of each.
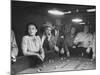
(32, 44)
(32, 50)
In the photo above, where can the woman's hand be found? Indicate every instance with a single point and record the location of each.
(56, 48)
(40, 56)
(42, 53)
(88, 50)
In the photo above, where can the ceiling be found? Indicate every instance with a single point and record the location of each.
(41, 8)
(65, 7)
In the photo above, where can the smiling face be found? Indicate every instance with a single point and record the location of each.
(32, 30)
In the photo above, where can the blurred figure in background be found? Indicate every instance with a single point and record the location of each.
(83, 41)
(68, 42)
(93, 47)
(14, 47)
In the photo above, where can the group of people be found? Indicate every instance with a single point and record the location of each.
(81, 43)
(69, 44)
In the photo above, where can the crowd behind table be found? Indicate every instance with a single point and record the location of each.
(70, 43)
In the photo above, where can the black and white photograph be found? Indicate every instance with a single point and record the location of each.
(52, 37)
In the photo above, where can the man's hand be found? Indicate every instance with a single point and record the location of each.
(13, 58)
(68, 54)
(88, 50)
(56, 48)
(93, 56)
(62, 51)
(73, 46)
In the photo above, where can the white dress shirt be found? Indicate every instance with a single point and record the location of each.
(84, 38)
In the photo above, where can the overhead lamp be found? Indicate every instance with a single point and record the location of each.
(55, 12)
(67, 12)
(77, 20)
(91, 10)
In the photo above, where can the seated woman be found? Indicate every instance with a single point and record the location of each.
(32, 50)
(14, 47)
(32, 46)
(83, 41)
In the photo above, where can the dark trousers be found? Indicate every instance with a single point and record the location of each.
(83, 51)
(25, 62)
(75, 51)
(78, 51)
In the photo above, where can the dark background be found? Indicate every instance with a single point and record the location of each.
(23, 13)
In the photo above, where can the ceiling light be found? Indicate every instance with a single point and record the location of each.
(55, 12)
(67, 12)
(91, 10)
(77, 20)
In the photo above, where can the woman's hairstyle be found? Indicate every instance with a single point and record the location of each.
(27, 25)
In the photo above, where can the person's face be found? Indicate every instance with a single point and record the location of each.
(86, 29)
(73, 30)
(32, 30)
(48, 32)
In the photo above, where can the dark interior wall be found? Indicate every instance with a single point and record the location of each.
(20, 18)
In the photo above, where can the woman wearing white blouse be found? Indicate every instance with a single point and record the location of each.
(32, 50)
(32, 45)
